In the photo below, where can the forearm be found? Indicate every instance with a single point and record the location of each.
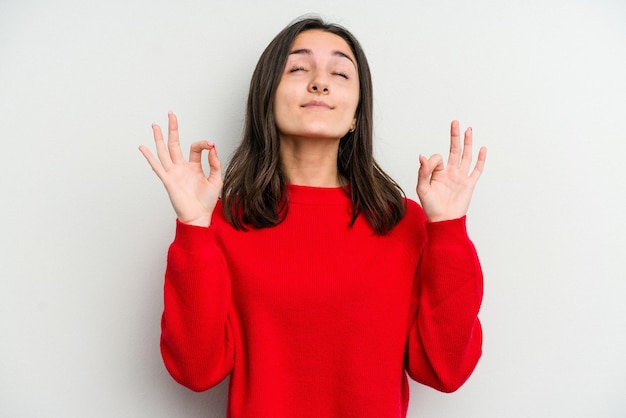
(445, 340)
(195, 337)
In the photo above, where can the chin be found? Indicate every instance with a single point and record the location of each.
(324, 132)
(323, 135)
(313, 133)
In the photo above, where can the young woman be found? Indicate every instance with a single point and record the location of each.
(312, 282)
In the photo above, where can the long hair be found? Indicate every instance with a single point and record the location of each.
(254, 184)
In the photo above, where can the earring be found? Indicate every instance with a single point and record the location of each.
(353, 128)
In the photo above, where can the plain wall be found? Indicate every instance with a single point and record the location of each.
(85, 224)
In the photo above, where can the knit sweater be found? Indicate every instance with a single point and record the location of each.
(317, 318)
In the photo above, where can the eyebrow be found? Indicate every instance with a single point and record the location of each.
(336, 53)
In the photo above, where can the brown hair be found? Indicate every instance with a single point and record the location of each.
(254, 184)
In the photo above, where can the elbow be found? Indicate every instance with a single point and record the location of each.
(453, 379)
(193, 384)
(450, 385)
(443, 370)
(193, 379)
(197, 376)
(198, 386)
(460, 368)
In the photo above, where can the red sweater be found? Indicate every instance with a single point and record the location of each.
(314, 318)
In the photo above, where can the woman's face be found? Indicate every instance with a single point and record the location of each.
(318, 93)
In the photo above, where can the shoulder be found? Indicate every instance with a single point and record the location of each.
(218, 219)
(414, 212)
(412, 227)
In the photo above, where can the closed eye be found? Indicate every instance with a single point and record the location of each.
(295, 69)
(340, 74)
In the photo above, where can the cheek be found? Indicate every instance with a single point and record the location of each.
(279, 103)
(353, 101)
(353, 92)
(283, 98)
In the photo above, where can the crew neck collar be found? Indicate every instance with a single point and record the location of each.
(317, 195)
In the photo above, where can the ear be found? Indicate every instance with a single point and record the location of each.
(353, 125)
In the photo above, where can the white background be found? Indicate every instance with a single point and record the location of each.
(85, 224)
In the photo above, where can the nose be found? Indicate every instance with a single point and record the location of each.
(318, 85)
(317, 89)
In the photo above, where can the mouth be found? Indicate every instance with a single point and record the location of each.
(316, 104)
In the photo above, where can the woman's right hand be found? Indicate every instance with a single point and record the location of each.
(193, 195)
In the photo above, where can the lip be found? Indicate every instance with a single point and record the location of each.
(317, 104)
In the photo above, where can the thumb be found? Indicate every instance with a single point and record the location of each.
(423, 175)
(215, 165)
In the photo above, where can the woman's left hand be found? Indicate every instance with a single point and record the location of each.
(445, 191)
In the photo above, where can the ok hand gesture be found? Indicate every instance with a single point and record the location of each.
(193, 195)
(445, 191)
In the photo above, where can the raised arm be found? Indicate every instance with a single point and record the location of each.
(445, 339)
(196, 334)
(196, 329)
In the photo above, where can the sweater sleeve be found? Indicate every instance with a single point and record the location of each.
(196, 336)
(445, 337)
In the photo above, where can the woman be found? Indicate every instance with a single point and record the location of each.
(313, 283)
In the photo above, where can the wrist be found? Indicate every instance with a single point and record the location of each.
(202, 221)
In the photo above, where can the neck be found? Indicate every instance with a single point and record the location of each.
(310, 162)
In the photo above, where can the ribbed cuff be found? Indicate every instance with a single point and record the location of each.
(193, 238)
(447, 231)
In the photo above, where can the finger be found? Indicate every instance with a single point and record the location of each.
(173, 141)
(436, 163)
(215, 165)
(455, 144)
(195, 151)
(427, 168)
(154, 163)
(466, 159)
(480, 164)
(164, 155)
